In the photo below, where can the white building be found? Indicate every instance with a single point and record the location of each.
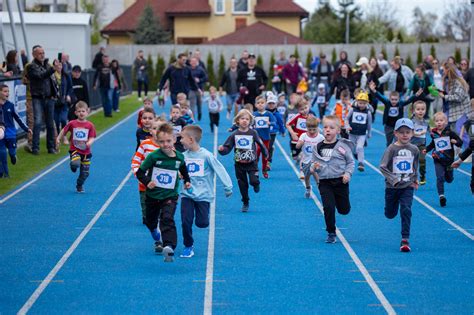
(55, 32)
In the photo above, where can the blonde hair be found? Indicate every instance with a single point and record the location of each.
(194, 132)
(419, 102)
(440, 115)
(312, 121)
(451, 72)
(179, 95)
(332, 118)
(248, 107)
(241, 113)
(212, 89)
(81, 105)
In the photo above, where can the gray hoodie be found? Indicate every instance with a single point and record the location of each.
(341, 161)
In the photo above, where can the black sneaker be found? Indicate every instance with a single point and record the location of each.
(245, 208)
(331, 238)
(159, 247)
(80, 189)
(256, 188)
(442, 201)
(405, 246)
(13, 159)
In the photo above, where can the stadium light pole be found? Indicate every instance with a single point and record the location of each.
(345, 4)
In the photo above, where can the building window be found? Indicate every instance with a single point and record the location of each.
(219, 7)
(240, 6)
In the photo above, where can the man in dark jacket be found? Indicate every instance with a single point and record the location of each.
(43, 99)
(229, 81)
(253, 78)
(80, 91)
(200, 76)
(102, 80)
(180, 77)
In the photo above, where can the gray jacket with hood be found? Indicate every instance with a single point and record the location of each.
(341, 162)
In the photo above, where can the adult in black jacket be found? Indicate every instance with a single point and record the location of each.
(342, 80)
(103, 81)
(80, 91)
(253, 78)
(98, 58)
(180, 78)
(43, 99)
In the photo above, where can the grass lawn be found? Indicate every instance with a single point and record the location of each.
(29, 165)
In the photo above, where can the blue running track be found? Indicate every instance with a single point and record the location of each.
(69, 253)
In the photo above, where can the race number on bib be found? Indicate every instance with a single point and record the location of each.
(321, 100)
(421, 129)
(402, 165)
(393, 112)
(164, 178)
(177, 129)
(442, 143)
(243, 142)
(80, 137)
(281, 110)
(301, 123)
(359, 118)
(213, 107)
(195, 167)
(261, 122)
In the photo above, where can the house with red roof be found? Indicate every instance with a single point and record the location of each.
(224, 22)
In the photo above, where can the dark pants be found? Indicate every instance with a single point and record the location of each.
(43, 107)
(422, 161)
(30, 120)
(106, 98)
(174, 99)
(164, 210)
(214, 118)
(271, 146)
(193, 211)
(60, 116)
(5, 144)
(444, 173)
(388, 134)
(195, 102)
(245, 173)
(403, 199)
(81, 162)
(115, 99)
(294, 151)
(143, 83)
(334, 195)
(322, 111)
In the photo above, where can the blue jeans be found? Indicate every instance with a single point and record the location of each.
(115, 99)
(46, 107)
(403, 199)
(60, 117)
(193, 211)
(106, 98)
(230, 100)
(10, 144)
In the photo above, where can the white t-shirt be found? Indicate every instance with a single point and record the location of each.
(309, 143)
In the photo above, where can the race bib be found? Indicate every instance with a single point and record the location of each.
(393, 112)
(419, 129)
(281, 110)
(80, 137)
(308, 150)
(359, 118)
(402, 165)
(164, 178)
(177, 129)
(195, 167)
(261, 122)
(301, 124)
(243, 142)
(442, 143)
(321, 100)
(213, 106)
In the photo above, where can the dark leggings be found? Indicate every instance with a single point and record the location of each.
(83, 162)
(145, 87)
(334, 195)
(444, 173)
(245, 173)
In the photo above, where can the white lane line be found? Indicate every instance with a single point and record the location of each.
(49, 278)
(54, 166)
(210, 247)
(430, 208)
(363, 270)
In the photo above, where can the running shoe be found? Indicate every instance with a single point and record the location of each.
(168, 254)
(331, 238)
(256, 188)
(307, 193)
(245, 208)
(158, 247)
(188, 252)
(80, 189)
(442, 201)
(265, 175)
(361, 167)
(405, 246)
(422, 180)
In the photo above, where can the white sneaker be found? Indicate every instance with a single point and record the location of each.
(227, 115)
(168, 254)
(468, 159)
(139, 99)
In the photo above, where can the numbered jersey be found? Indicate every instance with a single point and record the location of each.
(80, 133)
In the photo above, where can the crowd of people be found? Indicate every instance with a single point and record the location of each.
(326, 142)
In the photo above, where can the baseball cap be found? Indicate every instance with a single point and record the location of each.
(362, 61)
(252, 55)
(321, 86)
(404, 122)
(272, 99)
(362, 96)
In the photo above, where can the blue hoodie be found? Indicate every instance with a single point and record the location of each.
(9, 115)
(202, 165)
(263, 129)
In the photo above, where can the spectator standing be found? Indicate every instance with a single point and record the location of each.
(67, 66)
(63, 84)
(253, 78)
(436, 76)
(397, 77)
(24, 58)
(323, 72)
(383, 64)
(141, 74)
(29, 108)
(103, 80)
(98, 58)
(80, 91)
(343, 59)
(12, 62)
(291, 75)
(119, 84)
(342, 81)
(243, 60)
(229, 82)
(200, 77)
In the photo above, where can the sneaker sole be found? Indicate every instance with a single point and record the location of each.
(405, 249)
(184, 256)
(168, 254)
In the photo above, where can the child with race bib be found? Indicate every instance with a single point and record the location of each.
(278, 128)
(214, 105)
(82, 135)
(244, 141)
(195, 204)
(422, 128)
(468, 127)
(159, 173)
(306, 143)
(263, 122)
(442, 143)
(399, 166)
(143, 132)
(178, 124)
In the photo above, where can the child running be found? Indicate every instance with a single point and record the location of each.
(296, 127)
(146, 147)
(178, 124)
(359, 124)
(442, 141)
(147, 103)
(279, 127)
(322, 100)
(306, 143)
(334, 164)
(159, 173)
(263, 121)
(82, 135)
(9, 139)
(214, 104)
(246, 167)
(195, 204)
(143, 132)
(469, 128)
(422, 128)
(399, 166)
(341, 110)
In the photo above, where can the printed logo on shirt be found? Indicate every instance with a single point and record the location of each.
(309, 149)
(301, 124)
(213, 106)
(402, 164)
(177, 129)
(261, 122)
(442, 143)
(164, 178)
(393, 112)
(80, 137)
(359, 118)
(251, 75)
(419, 129)
(281, 110)
(195, 167)
(243, 142)
(291, 116)
(321, 100)
(327, 153)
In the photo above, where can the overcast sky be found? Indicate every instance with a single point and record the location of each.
(404, 7)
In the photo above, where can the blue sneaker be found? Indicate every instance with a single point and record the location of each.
(156, 235)
(188, 252)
